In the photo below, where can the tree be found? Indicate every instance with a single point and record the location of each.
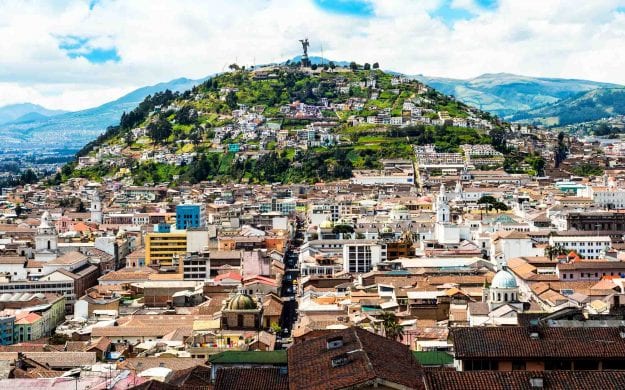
(159, 130)
(314, 67)
(367, 66)
(342, 228)
(553, 251)
(537, 162)
(353, 66)
(376, 65)
(500, 206)
(487, 199)
(28, 177)
(587, 169)
(232, 100)
(234, 67)
(492, 203)
(332, 65)
(561, 150)
(58, 339)
(275, 328)
(498, 139)
(19, 209)
(391, 327)
(187, 115)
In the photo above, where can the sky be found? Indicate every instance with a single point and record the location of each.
(76, 54)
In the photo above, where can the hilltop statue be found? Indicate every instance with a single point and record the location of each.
(305, 45)
(305, 61)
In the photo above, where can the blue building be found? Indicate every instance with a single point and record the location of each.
(190, 216)
(6, 330)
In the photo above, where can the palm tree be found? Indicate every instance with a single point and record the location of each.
(392, 329)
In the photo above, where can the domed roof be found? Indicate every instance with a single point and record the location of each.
(503, 279)
(241, 302)
(400, 207)
(327, 224)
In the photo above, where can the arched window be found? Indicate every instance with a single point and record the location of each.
(505, 297)
(499, 296)
(48, 244)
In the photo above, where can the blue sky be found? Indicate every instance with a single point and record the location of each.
(358, 8)
(74, 54)
(447, 10)
(82, 47)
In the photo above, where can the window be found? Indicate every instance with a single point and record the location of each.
(586, 365)
(518, 365)
(557, 365)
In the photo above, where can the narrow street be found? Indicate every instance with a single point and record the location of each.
(289, 285)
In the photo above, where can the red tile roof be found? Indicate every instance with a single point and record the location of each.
(510, 342)
(256, 378)
(500, 380)
(229, 275)
(369, 358)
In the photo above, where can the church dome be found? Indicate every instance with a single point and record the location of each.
(386, 229)
(241, 302)
(503, 279)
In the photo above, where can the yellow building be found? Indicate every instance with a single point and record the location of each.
(161, 248)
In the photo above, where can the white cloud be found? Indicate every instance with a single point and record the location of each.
(162, 40)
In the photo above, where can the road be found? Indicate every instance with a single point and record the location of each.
(289, 282)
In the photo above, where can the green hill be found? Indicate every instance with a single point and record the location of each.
(278, 124)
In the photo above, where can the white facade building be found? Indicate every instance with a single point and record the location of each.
(589, 247)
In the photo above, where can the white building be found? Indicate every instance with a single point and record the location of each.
(588, 247)
(46, 239)
(362, 257)
(609, 196)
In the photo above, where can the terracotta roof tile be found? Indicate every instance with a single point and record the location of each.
(368, 356)
(256, 378)
(500, 380)
(552, 343)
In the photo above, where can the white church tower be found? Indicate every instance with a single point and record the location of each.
(46, 239)
(96, 208)
(442, 208)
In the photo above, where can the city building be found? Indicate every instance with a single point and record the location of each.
(161, 249)
(190, 216)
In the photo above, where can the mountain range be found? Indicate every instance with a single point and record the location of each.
(584, 107)
(549, 101)
(72, 130)
(24, 112)
(506, 95)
